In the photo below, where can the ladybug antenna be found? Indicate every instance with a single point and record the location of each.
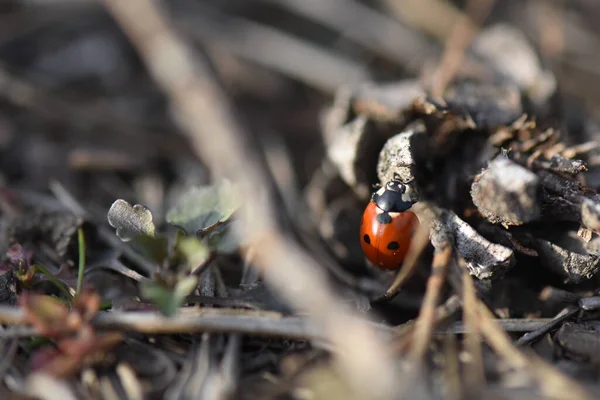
(396, 176)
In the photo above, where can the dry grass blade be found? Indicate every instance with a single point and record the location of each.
(462, 34)
(45, 387)
(409, 266)
(216, 137)
(404, 333)
(434, 17)
(319, 68)
(552, 383)
(130, 382)
(475, 378)
(551, 29)
(452, 368)
(376, 31)
(425, 322)
(230, 368)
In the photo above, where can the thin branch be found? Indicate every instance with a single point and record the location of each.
(262, 324)
(550, 324)
(507, 325)
(194, 320)
(18, 332)
(12, 316)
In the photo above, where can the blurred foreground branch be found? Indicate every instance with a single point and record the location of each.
(205, 116)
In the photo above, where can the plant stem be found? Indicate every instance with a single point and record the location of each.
(63, 287)
(81, 242)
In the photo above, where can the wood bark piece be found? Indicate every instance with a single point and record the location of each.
(556, 163)
(396, 156)
(357, 125)
(590, 214)
(574, 266)
(387, 102)
(484, 258)
(580, 340)
(489, 105)
(562, 198)
(506, 193)
(354, 151)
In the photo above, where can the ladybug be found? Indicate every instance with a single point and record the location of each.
(387, 227)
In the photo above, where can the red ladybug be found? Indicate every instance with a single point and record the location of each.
(387, 227)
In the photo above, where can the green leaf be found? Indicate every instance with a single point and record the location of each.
(202, 207)
(81, 267)
(62, 286)
(168, 300)
(185, 287)
(159, 295)
(154, 248)
(129, 221)
(194, 251)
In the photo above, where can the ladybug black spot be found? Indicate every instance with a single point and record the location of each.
(393, 246)
(384, 218)
(367, 239)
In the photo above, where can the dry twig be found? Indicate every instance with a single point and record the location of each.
(426, 320)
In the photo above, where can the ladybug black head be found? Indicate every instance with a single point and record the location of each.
(394, 197)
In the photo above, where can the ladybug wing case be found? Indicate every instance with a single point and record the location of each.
(385, 237)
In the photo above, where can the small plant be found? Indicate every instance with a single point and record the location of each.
(27, 275)
(63, 322)
(73, 340)
(203, 218)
